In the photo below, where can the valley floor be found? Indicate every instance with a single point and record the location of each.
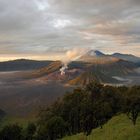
(24, 97)
(19, 96)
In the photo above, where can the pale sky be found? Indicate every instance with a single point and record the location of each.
(46, 29)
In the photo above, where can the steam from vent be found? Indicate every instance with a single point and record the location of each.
(71, 55)
(63, 69)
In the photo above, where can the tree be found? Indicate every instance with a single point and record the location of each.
(87, 120)
(54, 129)
(95, 89)
(11, 132)
(2, 114)
(102, 113)
(30, 131)
(112, 96)
(71, 110)
(132, 104)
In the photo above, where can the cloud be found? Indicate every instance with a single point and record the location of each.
(40, 27)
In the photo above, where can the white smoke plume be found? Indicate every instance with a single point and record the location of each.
(63, 69)
(71, 55)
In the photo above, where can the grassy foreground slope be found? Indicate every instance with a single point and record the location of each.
(118, 128)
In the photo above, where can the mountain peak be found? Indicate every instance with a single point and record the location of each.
(95, 53)
(99, 53)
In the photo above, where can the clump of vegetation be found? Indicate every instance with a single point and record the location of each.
(11, 132)
(87, 108)
(83, 110)
(132, 105)
(2, 114)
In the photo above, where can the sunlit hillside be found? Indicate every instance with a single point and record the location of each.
(118, 128)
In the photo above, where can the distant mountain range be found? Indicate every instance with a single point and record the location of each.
(94, 65)
(22, 64)
(36, 83)
(97, 54)
(127, 57)
(91, 56)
